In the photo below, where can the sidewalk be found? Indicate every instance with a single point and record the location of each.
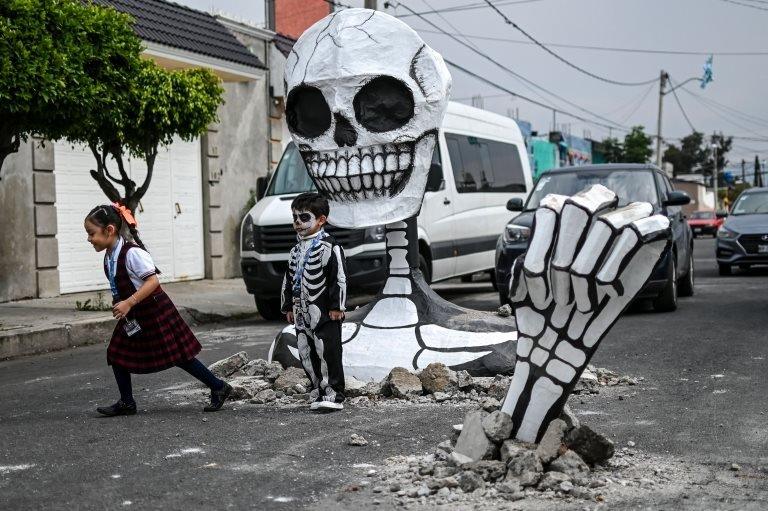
(46, 324)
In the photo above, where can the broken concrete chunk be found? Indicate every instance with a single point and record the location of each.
(512, 447)
(570, 463)
(265, 396)
(549, 446)
(469, 481)
(357, 440)
(489, 470)
(458, 459)
(593, 447)
(273, 371)
(402, 383)
(504, 311)
(497, 426)
(525, 468)
(472, 441)
(246, 387)
(288, 380)
(353, 387)
(569, 418)
(552, 480)
(228, 366)
(464, 380)
(257, 367)
(436, 377)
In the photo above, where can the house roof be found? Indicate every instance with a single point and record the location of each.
(284, 43)
(179, 26)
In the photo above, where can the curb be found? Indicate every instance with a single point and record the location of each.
(39, 340)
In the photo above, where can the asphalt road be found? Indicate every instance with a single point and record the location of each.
(702, 399)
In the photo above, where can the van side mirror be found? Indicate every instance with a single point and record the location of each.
(261, 186)
(435, 179)
(677, 198)
(515, 204)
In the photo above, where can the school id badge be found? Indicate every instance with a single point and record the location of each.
(131, 327)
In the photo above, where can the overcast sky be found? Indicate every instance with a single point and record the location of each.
(677, 25)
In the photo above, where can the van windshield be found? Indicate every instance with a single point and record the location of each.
(291, 175)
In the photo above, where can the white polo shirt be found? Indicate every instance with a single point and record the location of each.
(138, 262)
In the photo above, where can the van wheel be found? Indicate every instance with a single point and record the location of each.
(685, 286)
(269, 308)
(667, 300)
(467, 278)
(424, 267)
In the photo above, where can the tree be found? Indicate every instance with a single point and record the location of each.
(612, 150)
(58, 58)
(691, 154)
(637, 146)
(157, 105)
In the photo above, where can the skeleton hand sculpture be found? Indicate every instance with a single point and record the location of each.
(584, 265)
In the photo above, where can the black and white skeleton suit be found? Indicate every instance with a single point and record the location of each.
(320, 288)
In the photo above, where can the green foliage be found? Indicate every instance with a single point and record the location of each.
(58, 60)
(637, 146)
(613, 151)
(690, 156)
(92, 306)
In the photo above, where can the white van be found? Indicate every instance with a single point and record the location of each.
(480, 163)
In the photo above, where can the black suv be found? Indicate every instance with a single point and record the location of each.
(743, 238)
(673, 275)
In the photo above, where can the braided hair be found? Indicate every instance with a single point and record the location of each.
(107, 214)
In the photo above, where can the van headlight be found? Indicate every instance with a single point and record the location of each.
(726, 234)
(375, 234)
(514, 233)
(248, 241)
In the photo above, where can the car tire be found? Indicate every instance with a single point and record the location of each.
(667, 299)
(504, 294)
(494, 284)
(685, 285)
(466, 278)
(269, 308)
(724, 269)
(424, 267)
(744, 267)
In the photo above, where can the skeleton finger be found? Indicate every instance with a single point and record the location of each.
(540, 249)
(598, 243)
(575, 220)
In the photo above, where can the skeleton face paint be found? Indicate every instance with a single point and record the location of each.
(304, 222)
(366, 97)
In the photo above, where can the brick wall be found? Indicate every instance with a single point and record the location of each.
(293, 17)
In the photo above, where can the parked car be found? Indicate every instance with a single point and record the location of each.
(743, 238)
(479, 162)
(705, 222)
(673, 276)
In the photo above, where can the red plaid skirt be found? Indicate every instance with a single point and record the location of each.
(165, 339)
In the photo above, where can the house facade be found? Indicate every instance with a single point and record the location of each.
(200, 190)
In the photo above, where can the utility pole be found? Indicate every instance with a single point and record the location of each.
(743, 172)
(663, 77)
(714, 180)
(371, 4)
(554, 120)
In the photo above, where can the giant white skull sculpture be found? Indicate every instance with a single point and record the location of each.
(366, 97)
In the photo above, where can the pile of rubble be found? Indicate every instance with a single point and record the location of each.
(261, 382)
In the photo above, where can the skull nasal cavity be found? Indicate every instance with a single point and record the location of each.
(345, 134)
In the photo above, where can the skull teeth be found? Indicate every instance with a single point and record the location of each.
(361, 173)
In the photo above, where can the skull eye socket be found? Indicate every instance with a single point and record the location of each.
(383, 104)
(307, 112)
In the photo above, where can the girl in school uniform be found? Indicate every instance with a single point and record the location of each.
(150, 335)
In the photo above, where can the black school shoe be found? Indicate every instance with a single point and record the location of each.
(119, 408)
(218, 397)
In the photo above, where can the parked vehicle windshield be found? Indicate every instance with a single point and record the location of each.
(751, 204)
(629, 185)
(702, 215)
(291, 174)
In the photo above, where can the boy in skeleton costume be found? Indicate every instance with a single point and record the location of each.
(313, 299)
(366, 98)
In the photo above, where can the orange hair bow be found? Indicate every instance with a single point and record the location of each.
(126, 214)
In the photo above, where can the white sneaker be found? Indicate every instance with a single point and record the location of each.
(326, 404)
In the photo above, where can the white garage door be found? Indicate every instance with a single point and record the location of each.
(170, 216)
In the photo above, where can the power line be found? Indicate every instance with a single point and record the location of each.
(466, 7)
(613, 49)
(563, 60)
(723, 116)
(679, 104)
(533, 101)
(745, 5)
(742, 115)
(513, 73)
(638, 105)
